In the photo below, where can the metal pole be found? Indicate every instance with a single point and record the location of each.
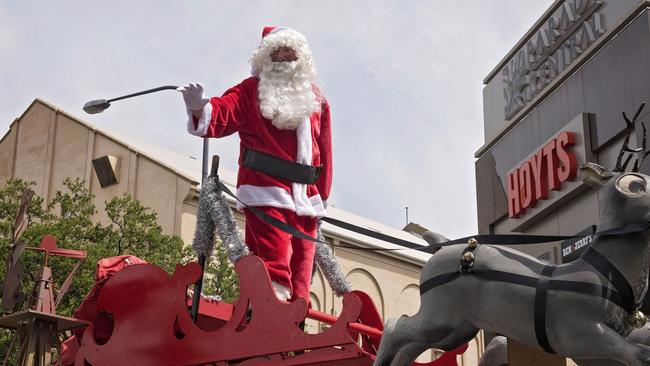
(99, 105)
(198, 288)
(197, 291)
(204, 161)
(165, 87)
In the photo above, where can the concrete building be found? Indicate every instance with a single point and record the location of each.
(46, 145)
(557, 98)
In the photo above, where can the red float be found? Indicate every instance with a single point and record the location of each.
(152, 324)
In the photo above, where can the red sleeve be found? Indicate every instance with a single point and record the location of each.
(324, 183)
(223, 115)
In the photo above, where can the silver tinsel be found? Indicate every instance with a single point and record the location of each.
(330, 267)
(214, 213)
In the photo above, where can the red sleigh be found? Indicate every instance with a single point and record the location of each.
(152, 325)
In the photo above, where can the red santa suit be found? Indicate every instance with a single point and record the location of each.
(289, 260)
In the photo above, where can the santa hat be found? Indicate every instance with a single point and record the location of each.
(274, 37)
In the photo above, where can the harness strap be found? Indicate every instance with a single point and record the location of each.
(540, 308)
(297, 233)
(584, 288)
(542, 285)
(614, 276)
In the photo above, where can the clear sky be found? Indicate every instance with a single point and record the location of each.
(403, 78)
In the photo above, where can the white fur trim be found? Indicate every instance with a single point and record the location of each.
(281, 36)
(304, 142)
(203, 123)
(264, 196)
(303, 156)
(276, 197)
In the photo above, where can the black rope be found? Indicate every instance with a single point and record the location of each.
(500, 239)
(297, 233)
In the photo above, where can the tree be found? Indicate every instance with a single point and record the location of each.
(133, 230)
(220, 278)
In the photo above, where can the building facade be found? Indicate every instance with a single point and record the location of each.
(46, 145)
(555, 102)
(556, 99)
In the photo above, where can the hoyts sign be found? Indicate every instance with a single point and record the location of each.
(543, 172)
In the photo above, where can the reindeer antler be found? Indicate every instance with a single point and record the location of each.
(641, 152)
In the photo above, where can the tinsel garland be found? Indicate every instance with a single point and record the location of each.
(330, 267)
(215, 214)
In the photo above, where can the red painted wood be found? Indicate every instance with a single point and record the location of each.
(152, 325)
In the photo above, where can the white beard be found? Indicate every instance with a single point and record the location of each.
(285, 94)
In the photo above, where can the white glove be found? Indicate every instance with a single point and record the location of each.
(193, 96)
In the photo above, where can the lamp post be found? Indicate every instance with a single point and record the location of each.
(98, 106)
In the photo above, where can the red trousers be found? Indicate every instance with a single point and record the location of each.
(288, 259)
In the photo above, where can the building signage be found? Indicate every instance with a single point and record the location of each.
(544, 171)
(572, 249)
(565, 35)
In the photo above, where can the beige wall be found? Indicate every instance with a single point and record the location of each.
(50, 146)
(45, 145)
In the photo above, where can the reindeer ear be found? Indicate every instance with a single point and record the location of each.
(593, 174)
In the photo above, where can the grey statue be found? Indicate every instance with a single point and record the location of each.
(579, 310)
(496, 353)
(579, 326)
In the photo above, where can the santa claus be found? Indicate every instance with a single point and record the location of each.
(285, 162)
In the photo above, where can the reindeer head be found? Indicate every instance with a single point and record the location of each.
(624, 197)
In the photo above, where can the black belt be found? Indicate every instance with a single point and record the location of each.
(280, 168)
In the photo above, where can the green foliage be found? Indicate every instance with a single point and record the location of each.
(69, 217)
(220, 278)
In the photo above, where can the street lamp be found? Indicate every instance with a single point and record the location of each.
(99, 105)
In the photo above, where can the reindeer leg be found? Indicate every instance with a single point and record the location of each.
(602, 343)
(392, 341)
(403, 341)
(407, 354)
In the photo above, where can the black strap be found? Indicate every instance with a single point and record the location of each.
(280, 168)
(290, 229)
(373, 234)
(613, 275)
(501, 239)
(268, 219)
(507, 239)
(555, 285)
(436, 281)
(540, 308)
(519, 239)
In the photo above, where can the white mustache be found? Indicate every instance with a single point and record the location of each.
(281, 67)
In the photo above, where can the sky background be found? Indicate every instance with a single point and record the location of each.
(403, 78)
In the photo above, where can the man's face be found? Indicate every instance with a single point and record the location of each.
(283, 54)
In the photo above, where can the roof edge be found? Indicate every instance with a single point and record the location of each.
(108, 135)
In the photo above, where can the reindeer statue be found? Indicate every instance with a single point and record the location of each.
(582, 310)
